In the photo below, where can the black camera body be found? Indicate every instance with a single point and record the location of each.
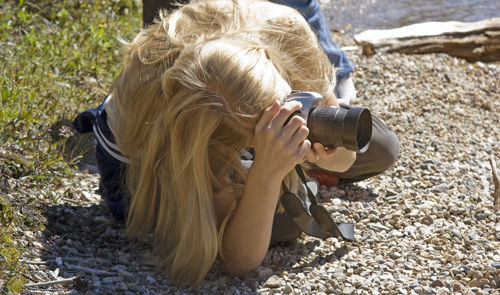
(334, 127)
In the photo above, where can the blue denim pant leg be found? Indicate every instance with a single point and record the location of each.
(311, 11)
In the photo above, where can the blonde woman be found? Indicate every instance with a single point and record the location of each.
(198, 90)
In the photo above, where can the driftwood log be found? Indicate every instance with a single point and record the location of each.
(476, 41)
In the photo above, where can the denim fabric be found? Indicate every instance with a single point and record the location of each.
(311, 11)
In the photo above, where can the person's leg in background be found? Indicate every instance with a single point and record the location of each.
(311, 11)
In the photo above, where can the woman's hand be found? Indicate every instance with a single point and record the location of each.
(319, 153)
(279, 146)
(332, 159)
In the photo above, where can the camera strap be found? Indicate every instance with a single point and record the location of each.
(312, 217)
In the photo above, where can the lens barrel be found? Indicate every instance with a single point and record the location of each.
(337, 127)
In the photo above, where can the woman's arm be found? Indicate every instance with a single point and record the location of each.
(278, 148)
(247, 234)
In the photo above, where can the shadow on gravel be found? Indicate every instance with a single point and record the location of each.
(87, 242)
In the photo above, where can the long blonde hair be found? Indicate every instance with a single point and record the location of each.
(192, 88)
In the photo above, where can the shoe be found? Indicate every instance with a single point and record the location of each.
(345, 91)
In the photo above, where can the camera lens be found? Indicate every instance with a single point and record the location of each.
(348, 128)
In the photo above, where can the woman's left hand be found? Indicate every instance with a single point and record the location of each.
(331, 159)
(318, 152)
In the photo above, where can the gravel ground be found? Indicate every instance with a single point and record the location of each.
(426, 226)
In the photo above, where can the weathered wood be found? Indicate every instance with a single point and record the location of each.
(477, 41)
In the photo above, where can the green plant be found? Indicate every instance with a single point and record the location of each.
(57, 58)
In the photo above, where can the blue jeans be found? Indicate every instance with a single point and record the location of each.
(311, 11)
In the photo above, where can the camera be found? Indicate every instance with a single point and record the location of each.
(350, 128)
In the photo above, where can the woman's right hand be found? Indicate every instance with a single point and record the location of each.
(279, 146)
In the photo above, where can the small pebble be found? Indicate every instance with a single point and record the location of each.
(273, 282)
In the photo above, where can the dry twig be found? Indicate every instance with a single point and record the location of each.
(496, 182)
(89, 270)
(49, 283)
(34, 262)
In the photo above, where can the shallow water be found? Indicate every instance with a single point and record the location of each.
(356, 16)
